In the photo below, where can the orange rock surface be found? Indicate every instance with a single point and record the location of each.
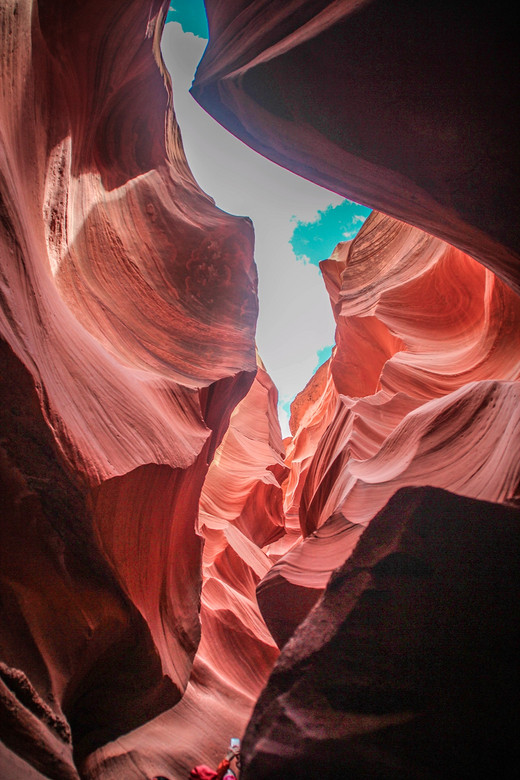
(127, 326)
(240, 515)
(422, 388)
(159, 543)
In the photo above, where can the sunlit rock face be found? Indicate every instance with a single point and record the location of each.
(421, 389)
(127, 339)
(409, 108)
(240, 520)
(427, 359)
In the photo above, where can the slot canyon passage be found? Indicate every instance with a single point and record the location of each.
(173, 573)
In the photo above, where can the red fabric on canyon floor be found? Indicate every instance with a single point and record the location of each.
(203, 772)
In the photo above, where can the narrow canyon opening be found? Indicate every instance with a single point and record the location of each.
(296, 223)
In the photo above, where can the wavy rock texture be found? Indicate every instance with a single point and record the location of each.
(421, 389)
(240, 517)
(146, 494)
(242, 487)
(434, 327)
(127, 324)
(411, 109)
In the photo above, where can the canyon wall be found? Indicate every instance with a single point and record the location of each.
(127, 325)
(407, 666)
(411, 109)
(160, 543)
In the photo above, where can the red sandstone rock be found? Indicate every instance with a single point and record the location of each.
(294, 584)
(407, 667)
(242, 479)
(442, 327)
(240, 515)
(411, 109)
(127, 341)
(127, 325)
(421, 389)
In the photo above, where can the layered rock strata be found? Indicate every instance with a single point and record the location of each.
(240, 517)
(422, 388)
(145, 492)
(127, 325)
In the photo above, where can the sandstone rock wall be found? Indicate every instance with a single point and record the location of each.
(410, 108)
(421, 389)
(127, 324)
(406, 668)
(147, 498)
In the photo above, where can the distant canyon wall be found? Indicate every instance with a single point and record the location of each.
(421, 389)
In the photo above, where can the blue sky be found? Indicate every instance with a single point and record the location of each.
(191, 15)
(297, 223)
(315, 240)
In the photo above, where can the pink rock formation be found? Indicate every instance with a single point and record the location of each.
(127, 325)
(411, 109)
(146, 496)
(240, 515)
(242, 487)
(433, 333)
(421, 389)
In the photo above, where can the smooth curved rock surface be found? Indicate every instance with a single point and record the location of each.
(127, 324)
(422, 388)
(147, 502)
(293, 585)
(445, 334)
(242, 487)
(411, 108)
(240, 515)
